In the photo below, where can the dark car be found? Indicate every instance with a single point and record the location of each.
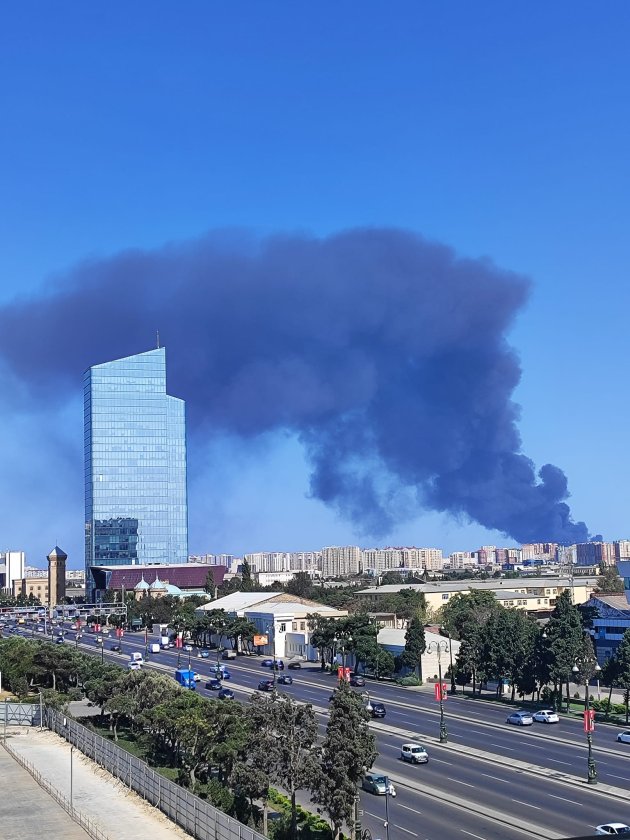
(59, 640)
(294, 666)
(115, 648)
(356, 680)
(214, 685)
(226, 694)
(265, 685)
(378, 710)
(285, 679)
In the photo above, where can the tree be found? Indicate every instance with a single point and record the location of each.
(415, 646)
(300, 585)
(622, 675)
(323, 634)
(210, 586)
(565, 638)
(348, 751)
(247, 584)
(466, 609)
(609, 580)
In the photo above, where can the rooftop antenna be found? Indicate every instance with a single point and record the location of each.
(157, 332)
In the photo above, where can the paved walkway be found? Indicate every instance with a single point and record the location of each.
(118, 812)
(26, 810)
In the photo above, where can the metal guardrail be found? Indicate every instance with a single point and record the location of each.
(86, 824)
(196, 816)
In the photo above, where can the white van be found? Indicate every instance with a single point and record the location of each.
(136, 656)
(414, 753)
(154, 648)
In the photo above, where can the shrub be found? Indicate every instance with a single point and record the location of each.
(412, 679)
(618, 709)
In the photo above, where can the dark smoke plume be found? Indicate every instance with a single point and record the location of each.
(386, 354)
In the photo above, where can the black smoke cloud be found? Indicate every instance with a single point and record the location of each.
(384, 353)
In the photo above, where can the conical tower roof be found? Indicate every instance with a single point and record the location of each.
(57, 554)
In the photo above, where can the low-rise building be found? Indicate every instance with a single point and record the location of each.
(530, 594)
(187, 578)
(281, 617)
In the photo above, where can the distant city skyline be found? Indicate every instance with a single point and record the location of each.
(502, 136)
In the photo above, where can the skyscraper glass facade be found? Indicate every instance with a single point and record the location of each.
(135, 464)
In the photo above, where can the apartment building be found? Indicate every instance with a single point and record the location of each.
(594, 553)
(269, 561)
(539, 551)
(341, 561)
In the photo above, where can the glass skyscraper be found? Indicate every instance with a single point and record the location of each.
(136, 507)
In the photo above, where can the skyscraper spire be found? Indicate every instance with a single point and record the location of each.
(157, 332)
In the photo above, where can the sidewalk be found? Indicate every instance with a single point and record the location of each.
(118, 812)
(27, 808)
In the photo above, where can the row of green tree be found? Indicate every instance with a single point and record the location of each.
(500, 644)
(231, 752)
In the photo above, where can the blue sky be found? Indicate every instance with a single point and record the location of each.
(499, 130)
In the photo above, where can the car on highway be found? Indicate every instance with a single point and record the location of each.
(612, 828)
(265, 685)
(356, 680)
(520, 719)
(377, 710)
(414, 753)
(196, 677)
(624, 737)
(59, 640)
(214, 685)
(226, 694)
(115, 648)
(546, 716)
(294, 666)
(285, 679)
(204, 654)
(380, 785)
(278, 665)
(188, 648)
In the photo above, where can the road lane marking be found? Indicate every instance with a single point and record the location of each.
(529, 804)
(400, 828)
(496, 778)
(442, 761)
(463, 830)
(407, 808)
(623, 778)
(459, 782)
(501, 747)
(557, 761)
(564, 799)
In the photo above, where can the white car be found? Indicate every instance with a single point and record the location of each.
(546, 716)
(187, 648)
(612, 828)
(624, 737)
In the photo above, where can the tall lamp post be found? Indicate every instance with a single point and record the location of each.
(438, 647)
(585, 665)
(450, 651)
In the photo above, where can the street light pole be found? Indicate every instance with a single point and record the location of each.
(592, 768)
(438, 647)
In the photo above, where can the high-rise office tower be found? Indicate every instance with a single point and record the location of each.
(135, 465)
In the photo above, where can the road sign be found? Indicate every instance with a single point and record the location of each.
(440, 691)
(589, 720)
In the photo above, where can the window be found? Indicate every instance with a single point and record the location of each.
(445, 596)
(283, 627)
(302, 625)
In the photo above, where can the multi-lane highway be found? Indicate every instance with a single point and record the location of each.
(459, 792)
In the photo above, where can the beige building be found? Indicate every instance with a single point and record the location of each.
(341, 561)
(37, 587)
(530, 594)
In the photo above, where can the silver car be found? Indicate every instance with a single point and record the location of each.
(612, 828)
(624, 737)
(520, 719)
